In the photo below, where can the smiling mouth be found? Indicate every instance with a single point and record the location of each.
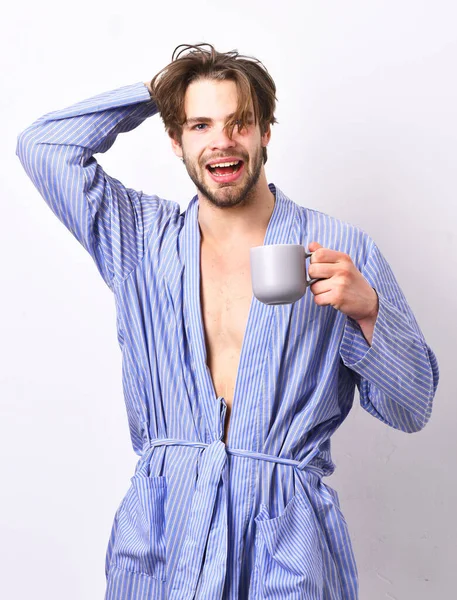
(221, 169)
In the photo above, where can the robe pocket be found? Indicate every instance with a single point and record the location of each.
(288, 555)
(140, 542)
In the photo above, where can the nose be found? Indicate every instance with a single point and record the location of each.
(220, 140)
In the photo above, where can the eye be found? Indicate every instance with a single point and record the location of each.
(196, 127)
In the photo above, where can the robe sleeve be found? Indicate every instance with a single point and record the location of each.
(56, 151)
(398, 375)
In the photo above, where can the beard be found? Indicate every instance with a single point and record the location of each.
(227, 195)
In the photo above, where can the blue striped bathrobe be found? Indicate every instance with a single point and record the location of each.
(253, 518)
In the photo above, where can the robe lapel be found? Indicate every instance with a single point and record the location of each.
(282, 229)
(211, 405)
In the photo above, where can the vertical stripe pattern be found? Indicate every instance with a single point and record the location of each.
(253, 519)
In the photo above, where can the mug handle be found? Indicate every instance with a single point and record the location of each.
(310, 281)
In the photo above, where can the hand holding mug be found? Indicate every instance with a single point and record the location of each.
(341, 284)
(278, 273)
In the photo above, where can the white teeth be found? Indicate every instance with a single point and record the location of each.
(227, 164)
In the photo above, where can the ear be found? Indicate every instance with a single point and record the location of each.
(176, 146)
(266, 136)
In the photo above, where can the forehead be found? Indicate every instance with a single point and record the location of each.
(209, 98)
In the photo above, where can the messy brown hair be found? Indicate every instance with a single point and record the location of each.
(195, 62)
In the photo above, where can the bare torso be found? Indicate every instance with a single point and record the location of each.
(226, 294)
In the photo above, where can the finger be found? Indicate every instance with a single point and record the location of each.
(319, 270)
(313, 246)
(323, 299)
(325, 255)
(320, 287)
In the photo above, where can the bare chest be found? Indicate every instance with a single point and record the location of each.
(226, 294)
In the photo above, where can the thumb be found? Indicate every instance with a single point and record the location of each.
(313, 246)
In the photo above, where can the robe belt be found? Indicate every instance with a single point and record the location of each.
(203, 560)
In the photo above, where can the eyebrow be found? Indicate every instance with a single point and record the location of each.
(194, 120)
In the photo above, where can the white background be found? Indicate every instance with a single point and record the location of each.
(367, 132)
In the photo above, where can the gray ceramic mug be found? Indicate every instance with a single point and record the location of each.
(278, 273)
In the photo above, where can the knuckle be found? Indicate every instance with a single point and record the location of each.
(345, 268)
(318, 254)
(345, 275)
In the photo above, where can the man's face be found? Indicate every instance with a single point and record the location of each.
(208, 105)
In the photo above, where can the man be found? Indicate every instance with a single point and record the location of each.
(231, 402)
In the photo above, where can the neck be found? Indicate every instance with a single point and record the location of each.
(226, 226)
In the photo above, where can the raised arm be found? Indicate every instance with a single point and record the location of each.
(57, 152)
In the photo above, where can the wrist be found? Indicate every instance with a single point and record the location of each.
(367, 324)
(372, 314)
